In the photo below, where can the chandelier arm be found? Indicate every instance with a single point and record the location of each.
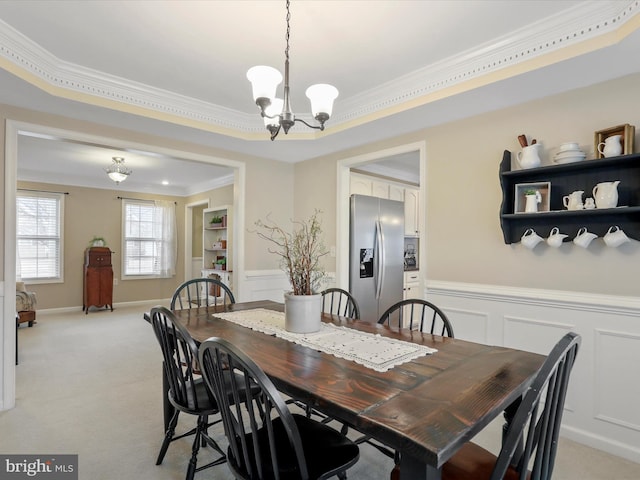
(315, 127)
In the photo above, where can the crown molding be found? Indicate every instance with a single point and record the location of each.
(589, 21)
(574, 26)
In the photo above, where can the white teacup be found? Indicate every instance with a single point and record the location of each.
(584, 237)
(530, 238)
(555, 237)
(615, 237)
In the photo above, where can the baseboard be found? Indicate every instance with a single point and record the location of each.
(137, 303)
(600, 443)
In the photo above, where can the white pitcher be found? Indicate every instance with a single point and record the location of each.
(611, 147)
(532, 201)
(573, 201)
(606, 194)
(529, 157)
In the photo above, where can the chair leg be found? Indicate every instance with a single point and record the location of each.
(203, 442)
(191, 470)
(171, 429)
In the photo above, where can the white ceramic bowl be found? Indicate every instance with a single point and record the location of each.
(569, 159)
(570, 154)
(568, 146)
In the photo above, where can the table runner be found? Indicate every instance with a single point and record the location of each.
(371, 350)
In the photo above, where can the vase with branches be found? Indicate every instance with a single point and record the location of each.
(300, 251)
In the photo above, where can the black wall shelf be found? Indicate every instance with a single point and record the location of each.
(568, 178)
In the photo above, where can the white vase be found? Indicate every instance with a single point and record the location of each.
(302, 313)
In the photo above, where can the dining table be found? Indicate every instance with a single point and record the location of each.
(425, 408)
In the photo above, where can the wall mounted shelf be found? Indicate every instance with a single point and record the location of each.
(567, 178)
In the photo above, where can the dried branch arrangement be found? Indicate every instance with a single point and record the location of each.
(300, 251)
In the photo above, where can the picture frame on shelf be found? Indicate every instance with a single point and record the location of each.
(627, 131)
(520, 196)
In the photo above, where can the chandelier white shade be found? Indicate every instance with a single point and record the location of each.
(277, 113)
(117, 171)
(321, 96)
(264, 81)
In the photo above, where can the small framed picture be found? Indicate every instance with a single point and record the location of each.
(539, 195)
(626, 132)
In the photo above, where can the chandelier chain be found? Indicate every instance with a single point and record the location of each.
(286, 51)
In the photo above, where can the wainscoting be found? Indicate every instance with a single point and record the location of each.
(602, 404)
(602, 408)
(271, 285)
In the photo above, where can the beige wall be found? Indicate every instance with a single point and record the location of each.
(272, 193)
(464, 240)
(315, 188)
(196, 231)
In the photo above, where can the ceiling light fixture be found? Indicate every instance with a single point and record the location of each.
(117, 171)
(265, 81)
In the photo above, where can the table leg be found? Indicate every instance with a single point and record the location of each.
(167, 408)
(414, 469)
(17, 326)
(509, 414)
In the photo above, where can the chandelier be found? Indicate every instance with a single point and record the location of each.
(117, 171)
(265, 80)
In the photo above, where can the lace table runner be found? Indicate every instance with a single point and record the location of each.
(371, 350)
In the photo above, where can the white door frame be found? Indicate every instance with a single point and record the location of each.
(344, 167)
(188, 236)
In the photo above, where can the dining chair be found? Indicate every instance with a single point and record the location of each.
(533, 433)
(266, 440)
(187, 391)
(201, 292)
(337, 301)
(415, 313)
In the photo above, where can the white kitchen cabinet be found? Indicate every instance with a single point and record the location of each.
(366, 185)
(411, 211)
(396, 192)
(360, 185)
(380, 189)
(411, 287)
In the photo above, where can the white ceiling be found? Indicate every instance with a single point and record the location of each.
(177, 69)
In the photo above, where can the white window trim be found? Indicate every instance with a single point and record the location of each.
(60, 196)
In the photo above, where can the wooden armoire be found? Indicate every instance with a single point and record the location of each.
(98, 279)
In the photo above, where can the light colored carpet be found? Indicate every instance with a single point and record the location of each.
(91, 385)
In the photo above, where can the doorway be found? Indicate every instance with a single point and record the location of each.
(13, 130)
(342, 213)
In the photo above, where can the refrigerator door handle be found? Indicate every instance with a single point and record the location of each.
(379, 254)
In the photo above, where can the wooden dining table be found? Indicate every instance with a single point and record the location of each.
(426, 408)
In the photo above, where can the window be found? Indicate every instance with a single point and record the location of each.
(149, 239)
(39, 220)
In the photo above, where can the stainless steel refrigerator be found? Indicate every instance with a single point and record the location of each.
(376, 254)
